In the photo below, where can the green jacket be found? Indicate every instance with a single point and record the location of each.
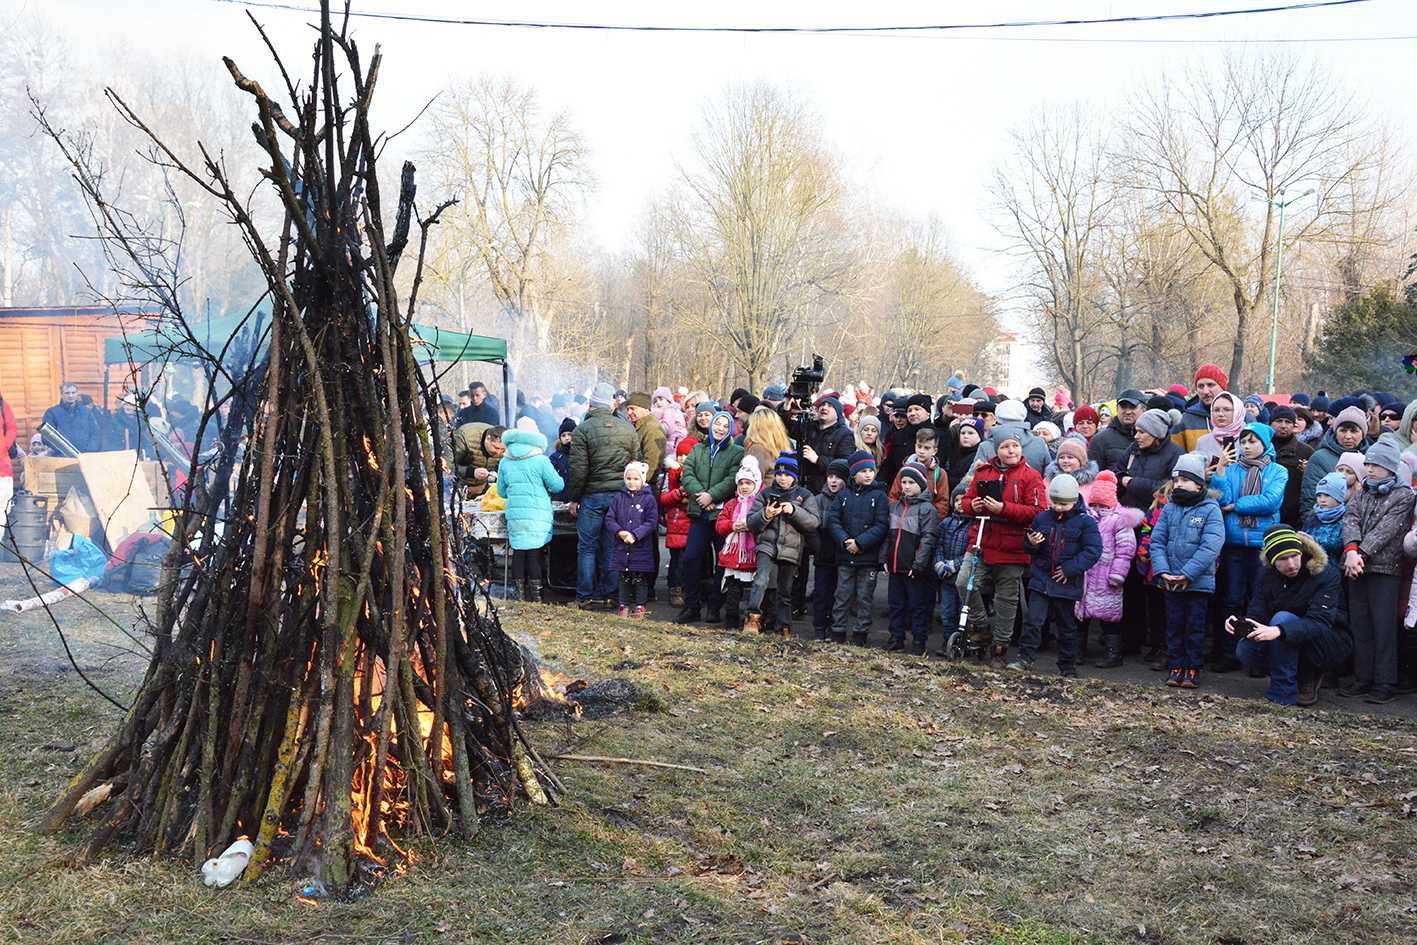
(716, 476)
(468, 455)
(652, 443)
(601, 447)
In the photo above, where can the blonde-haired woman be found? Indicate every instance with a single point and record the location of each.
(766, 437)
(868, 436)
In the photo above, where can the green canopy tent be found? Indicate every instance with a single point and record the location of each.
(166, 342)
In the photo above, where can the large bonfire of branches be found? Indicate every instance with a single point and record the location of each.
(327, 679)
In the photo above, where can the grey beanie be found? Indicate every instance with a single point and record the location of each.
(1155, 422)
(602, 395)
(1063, 488)
(1385, 454)
(1011, 411)
(1192, 466)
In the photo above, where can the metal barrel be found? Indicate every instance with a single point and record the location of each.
(27, 528)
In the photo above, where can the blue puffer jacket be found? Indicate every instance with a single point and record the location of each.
(1263, 507)
(1187, 540)
(526, 479)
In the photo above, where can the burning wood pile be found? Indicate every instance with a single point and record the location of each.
(328, 680)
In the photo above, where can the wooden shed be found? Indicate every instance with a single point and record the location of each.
(42, 347)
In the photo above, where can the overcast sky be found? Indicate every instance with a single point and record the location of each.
(918, 119)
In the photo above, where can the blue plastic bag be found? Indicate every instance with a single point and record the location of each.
(82, 559)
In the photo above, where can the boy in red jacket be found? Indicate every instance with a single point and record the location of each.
(1004, 497)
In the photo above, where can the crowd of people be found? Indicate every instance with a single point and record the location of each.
(1190, 527)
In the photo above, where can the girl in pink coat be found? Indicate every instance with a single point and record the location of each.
(1102, 585)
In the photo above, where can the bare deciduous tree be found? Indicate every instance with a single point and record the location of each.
(1216, 146)
(759, 223)
(520, 177)
(1056, 195)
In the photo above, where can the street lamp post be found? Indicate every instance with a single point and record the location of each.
(1282, 204)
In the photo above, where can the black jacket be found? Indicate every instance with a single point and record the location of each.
(1109, 445)
(1071, 542)
(1289, 455)
(1148, 469)
(899, 444)
(1315, 596)
(835, 442)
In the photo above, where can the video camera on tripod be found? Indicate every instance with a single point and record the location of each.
(801, 391)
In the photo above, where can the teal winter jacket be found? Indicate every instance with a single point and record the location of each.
(526, 479)
(1262, 508)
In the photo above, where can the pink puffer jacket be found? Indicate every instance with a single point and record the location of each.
(1100, 598)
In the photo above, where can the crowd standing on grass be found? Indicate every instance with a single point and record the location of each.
(1191, 527)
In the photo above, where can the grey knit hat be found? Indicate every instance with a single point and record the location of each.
(1384, 454)
(1155, 422)
(1192, 466)
(1063, 488)
(602, 395)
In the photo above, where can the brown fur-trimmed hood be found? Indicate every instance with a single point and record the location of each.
(1315, 558)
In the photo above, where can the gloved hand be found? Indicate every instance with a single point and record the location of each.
(940, 568)
(1116, 580)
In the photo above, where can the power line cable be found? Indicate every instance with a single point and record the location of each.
(859, 30)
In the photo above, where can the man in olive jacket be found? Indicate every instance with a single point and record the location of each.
(477, 452)
(601, 447)
(647, 431)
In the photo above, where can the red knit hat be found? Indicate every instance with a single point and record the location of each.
(1102, 491)
(1179, 389)
(1086, 412)
(1213, 372)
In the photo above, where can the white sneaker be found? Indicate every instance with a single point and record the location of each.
(1021, 664)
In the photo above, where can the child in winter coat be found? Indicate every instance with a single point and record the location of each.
(1251, 488)
(1373, 526)
(926, 455)
(561, 459)
(670, 417)
(782, 519)
(951, 545)
(824, 571)
(1004, 495)
(1185, 547)
(633, 521)
(1072, 459)
(739, 556)
(674, 511)
(857, 523)
(1324, 523)
(1064, 543)
(908, 548)
(526, 478)
(1102, 588)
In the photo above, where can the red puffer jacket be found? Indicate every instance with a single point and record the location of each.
(673, 504)
(1025, 496)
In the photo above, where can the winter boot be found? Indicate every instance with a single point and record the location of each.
(712, 616)
(897, 645)
(858, 639)
(688, 615)
(839, 638)
(536, 592)
(999, 656)
(753, 623)
(676, 597)
(1113, 657)
(732, 620)
(821, 636)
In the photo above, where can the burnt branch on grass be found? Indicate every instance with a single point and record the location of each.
(328, 677)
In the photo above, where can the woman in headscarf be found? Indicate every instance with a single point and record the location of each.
(1227, 419)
